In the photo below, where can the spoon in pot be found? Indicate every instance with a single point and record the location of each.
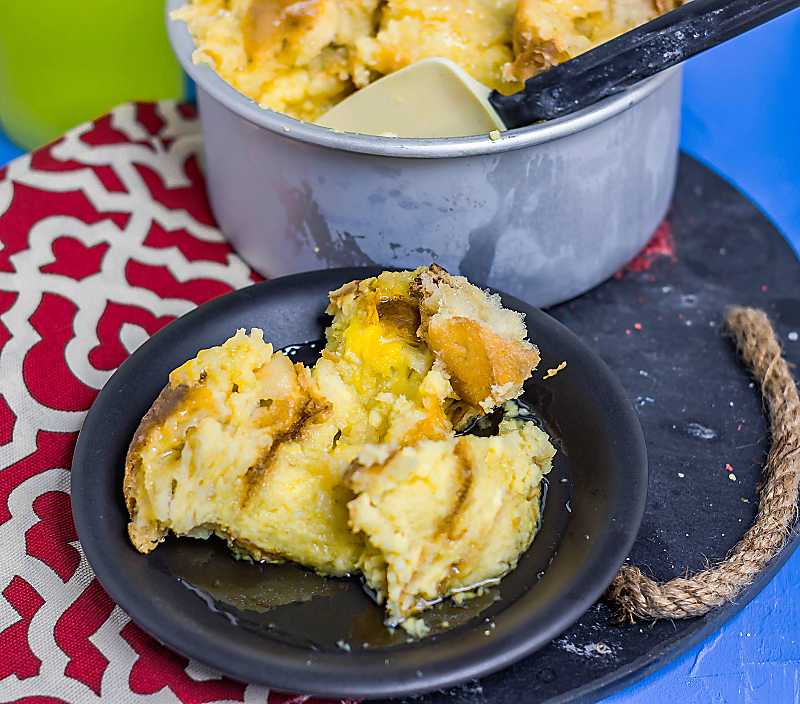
(430, 98)
(436, 98)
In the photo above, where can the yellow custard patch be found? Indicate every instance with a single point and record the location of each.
(291, 56)
(475, 34)
(374, 345)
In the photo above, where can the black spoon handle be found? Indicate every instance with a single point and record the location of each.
(633, 56)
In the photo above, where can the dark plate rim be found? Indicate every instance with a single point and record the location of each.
(339, 674)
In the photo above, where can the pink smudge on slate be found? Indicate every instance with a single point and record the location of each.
(661, 245)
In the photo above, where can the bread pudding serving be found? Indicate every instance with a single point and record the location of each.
(301, 57)
(355, 465)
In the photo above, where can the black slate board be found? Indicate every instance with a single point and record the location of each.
(660, 331)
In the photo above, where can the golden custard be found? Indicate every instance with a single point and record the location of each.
(475, 34)
(301, 57)
(218, 453)
(279, 459)
(446, 515)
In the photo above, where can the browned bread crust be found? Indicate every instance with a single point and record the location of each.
(546, 34)
(481, 345)
(144, 539)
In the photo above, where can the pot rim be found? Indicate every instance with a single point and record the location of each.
(209, 81)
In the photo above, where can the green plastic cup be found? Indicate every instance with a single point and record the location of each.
(63, 63)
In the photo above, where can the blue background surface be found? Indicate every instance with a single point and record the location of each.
(741, 116)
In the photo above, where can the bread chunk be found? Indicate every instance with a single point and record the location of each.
(549, 32)
(444, 516)
(475, 34)
(481, 345)
(374, 347)
(188, 468)
(294, 56)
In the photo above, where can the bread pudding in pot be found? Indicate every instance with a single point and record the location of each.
(301, 57)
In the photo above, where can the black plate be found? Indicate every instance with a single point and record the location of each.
(195, 599)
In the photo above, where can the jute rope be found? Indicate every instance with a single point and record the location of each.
(636, 596)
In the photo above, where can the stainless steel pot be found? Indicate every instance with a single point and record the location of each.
(545, 213)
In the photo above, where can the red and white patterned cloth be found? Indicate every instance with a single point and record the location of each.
(105, 236)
